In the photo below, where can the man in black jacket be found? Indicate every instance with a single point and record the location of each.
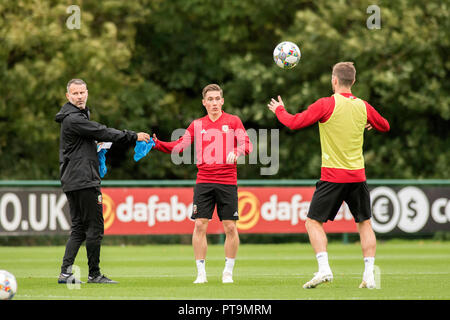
(80, 178)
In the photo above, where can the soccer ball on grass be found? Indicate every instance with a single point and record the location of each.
(8, 285)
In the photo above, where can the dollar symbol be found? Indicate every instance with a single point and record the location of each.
(412, 210)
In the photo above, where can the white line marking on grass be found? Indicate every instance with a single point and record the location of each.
(101, 298)
(364, 297)
(253, 276)
(152, 259)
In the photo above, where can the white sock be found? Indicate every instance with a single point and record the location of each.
(368, 264)
(229, 265)
(200, 265)
(322, 260)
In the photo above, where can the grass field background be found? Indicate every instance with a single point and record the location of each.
(408, 270)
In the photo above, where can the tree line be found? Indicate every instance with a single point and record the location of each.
(146, 62)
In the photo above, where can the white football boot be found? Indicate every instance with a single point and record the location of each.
(368, 281)
(227, 277)
(201, 278)
(319, 277)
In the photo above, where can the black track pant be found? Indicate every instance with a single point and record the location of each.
(86, 212)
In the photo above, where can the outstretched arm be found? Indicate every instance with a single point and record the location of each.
(177, 145)
(100, 132)
(319, 110)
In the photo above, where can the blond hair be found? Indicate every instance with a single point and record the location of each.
(345, 72)
(212, 87)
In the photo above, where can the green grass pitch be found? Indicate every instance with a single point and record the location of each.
(407, 270)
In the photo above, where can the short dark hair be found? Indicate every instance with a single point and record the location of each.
(345, 72)
(75, 81)
(212, 87)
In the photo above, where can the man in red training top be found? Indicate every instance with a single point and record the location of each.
(220, 138)
(342, 119)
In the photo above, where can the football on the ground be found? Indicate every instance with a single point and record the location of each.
(8, 285)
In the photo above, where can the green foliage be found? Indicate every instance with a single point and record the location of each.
(146, 63)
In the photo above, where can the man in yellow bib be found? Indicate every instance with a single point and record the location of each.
(342, 119)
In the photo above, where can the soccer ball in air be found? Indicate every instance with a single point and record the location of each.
(286, 55)
(8, 285)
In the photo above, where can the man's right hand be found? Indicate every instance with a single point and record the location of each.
(273, 104)
(142, 136)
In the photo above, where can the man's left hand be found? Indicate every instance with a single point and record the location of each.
(232, 158)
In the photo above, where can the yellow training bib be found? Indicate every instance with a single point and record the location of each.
(342, 135)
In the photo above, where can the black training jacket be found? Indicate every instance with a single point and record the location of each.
(78, 162)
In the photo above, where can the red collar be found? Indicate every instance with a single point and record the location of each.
(347, 95)
(207, 116)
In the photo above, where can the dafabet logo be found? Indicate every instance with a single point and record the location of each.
(248, 207)
(109, 210)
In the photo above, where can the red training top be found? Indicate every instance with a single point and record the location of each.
(213, 142)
